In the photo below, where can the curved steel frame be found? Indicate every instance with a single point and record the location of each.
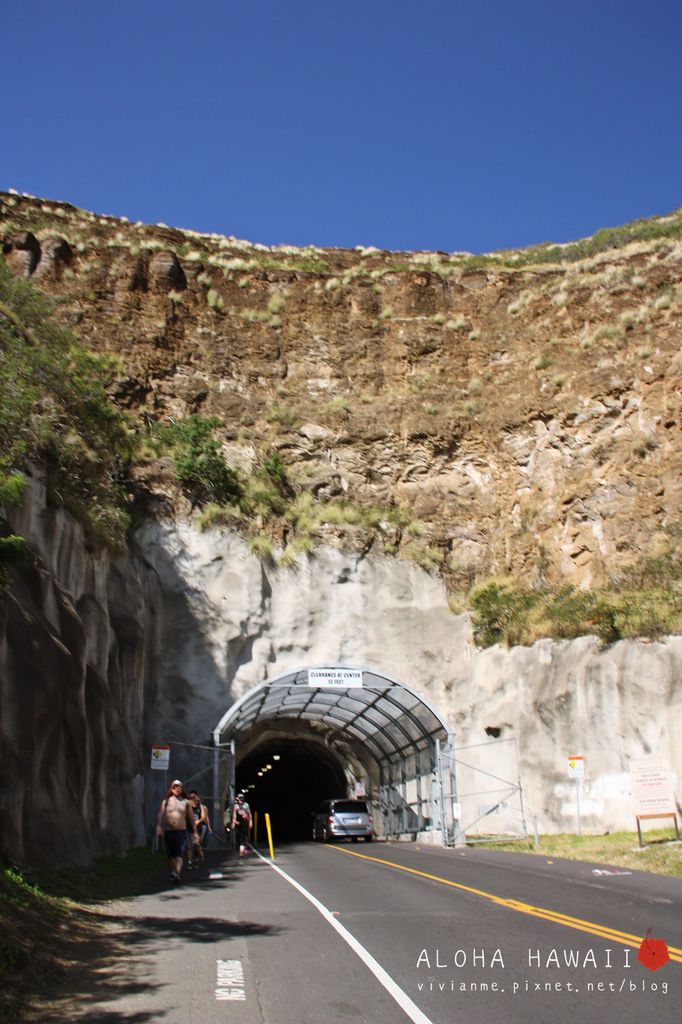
(388, 718)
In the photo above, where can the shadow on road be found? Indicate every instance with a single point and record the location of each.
(106, 952)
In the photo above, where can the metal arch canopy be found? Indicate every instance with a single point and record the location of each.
(382, 713)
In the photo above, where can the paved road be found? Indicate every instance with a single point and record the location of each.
(390, 933)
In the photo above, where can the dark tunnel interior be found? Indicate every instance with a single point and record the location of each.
(301, 775)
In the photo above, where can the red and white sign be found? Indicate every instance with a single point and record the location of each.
(576, 766)
(161, 758)
(651, 784)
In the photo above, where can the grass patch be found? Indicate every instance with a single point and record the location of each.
(619, 849)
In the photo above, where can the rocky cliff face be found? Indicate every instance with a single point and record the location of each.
(78, 639)
(99, 658)
(527, 417)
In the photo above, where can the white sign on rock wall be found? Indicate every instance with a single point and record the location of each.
(160, 758)
(335, 678)
(652, 786)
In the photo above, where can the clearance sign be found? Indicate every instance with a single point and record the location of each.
(335, 678)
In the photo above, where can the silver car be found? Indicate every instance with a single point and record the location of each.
(343, 819)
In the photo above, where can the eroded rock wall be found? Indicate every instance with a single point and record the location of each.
(78, 634)
(100, 656)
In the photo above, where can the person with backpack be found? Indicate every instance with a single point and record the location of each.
(195, 850)
(241, 822)
(174, 821)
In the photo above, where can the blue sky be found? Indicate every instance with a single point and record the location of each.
(442, 124)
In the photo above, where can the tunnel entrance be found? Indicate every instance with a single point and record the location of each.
(331, 732)
(289, 778)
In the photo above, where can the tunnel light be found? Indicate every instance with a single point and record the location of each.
(275, 757)
(259, 774)
(268, 766)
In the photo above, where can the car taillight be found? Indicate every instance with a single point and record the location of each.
(330, 819)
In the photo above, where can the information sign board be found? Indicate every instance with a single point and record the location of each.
(576, 767)
(161, 758)
(652, 787)
(335, 678)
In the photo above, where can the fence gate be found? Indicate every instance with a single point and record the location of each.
(480, 796)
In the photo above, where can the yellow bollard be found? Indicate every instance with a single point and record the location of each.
(255, 829)
(267, 825)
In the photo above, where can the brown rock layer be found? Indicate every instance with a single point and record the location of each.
(527, 417)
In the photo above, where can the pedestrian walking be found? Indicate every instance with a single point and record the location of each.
(241, 823)
(174, 821)
(195, 851)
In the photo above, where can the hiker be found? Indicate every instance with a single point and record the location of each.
(241, 822)
(195, 850)
(175, 820)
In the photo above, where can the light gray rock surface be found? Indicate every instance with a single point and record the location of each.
(231, 622)
(78, 634)
(100, 657)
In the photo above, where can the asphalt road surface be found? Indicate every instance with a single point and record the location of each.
(390, 933)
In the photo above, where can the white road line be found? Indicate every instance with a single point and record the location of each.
(393, 989)
(230, 980)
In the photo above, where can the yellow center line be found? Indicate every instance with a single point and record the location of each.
(601, 930)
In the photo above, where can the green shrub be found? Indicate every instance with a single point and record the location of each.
(214, 515)
(499, 612)
(274, 468)
(12, 487)
(200, 466)
(13, 550)
(283, 416)
(261, 547)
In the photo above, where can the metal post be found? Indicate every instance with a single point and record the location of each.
(216, 817)
(392, 799)
(403, 794)
(518, 781)
(383, 803)
(457, 838)
(418, 781)
(441, 794)
(577, 804)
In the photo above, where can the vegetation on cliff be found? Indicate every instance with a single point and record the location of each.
(268, 502)
(509, 420)
(644, 600)
(54, 411)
